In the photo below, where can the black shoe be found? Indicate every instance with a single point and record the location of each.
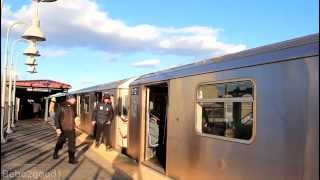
(72, 159)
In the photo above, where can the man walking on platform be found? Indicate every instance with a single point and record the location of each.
(65, 127)
(102, 116)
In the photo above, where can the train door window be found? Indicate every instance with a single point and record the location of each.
(98, 98)
(125, 106)
(226, 110)
(86, 104)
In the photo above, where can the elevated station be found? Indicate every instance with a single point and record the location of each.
(31, 91)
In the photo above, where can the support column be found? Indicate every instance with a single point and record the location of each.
(46, 110)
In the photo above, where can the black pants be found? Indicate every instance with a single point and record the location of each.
(103, 132)
(71, 136)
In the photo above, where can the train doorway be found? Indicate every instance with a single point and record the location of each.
(156, 126)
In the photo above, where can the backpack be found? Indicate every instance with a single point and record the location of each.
(67, 118)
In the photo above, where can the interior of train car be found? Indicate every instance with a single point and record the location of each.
(156, 126)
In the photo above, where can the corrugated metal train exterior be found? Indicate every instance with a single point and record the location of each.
(249, 115)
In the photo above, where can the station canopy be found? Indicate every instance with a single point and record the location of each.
(42, 86)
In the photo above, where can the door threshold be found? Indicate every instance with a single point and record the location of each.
(154, 167)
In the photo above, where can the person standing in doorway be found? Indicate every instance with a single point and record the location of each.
(52, 108)
(65, 128)
(36, 107)
(102, 116)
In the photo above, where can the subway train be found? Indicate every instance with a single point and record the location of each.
(248, 115)
(87, 98)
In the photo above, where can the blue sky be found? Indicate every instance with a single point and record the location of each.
(91, 42)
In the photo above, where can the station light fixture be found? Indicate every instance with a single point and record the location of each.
(31, 61)
(32, 69)
(34, 32)
(31, 49)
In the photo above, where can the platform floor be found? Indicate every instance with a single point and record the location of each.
(28, 155)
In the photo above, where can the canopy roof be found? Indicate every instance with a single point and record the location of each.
(47, 84)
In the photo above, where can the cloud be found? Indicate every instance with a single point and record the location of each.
(147, 63)
(81, 23)
(53, 53)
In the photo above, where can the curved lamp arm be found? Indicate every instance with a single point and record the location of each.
(6, 60)
(10, 70)
(4, 81)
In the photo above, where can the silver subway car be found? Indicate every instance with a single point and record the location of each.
(249, 115)
(87, 98)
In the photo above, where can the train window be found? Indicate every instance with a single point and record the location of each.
(226, 109)
(124, 106)
(86, 104)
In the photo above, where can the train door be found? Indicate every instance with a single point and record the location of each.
(122, 120)
(85, 113)
(156, 126)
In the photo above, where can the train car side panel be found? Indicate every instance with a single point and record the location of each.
(283, 93)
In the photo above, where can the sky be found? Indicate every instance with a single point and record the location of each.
(90, 42)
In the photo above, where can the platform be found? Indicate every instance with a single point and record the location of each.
(28, 155)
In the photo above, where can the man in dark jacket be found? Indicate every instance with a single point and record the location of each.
(102, 116)
(65, 127)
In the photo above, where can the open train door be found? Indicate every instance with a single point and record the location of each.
(156, 126)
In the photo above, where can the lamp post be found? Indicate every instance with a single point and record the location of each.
(30, 51)
(2, 2)
(32, 33)
(13, 113)
(3, 87)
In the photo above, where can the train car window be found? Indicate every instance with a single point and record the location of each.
(119, 111)
(125, 105)
(86, 104)
(226, 109)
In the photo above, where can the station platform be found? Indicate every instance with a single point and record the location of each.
(28, 155)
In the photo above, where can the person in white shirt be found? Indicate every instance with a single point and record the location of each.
(52, 108)
(36, 109)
